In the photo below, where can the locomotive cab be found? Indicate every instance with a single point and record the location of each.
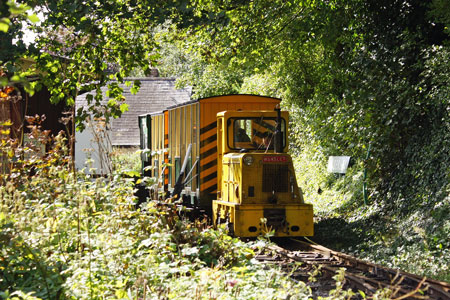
(257, 189)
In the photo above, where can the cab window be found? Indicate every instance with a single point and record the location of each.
(254, 133)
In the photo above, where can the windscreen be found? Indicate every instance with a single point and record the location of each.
(254, 133)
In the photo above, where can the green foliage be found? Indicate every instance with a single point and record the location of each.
(66, 235)
(354, 75)
(331, 194)
(15, 10)
(178, 59)
(81, 46)
(13, 19)
(124, 159)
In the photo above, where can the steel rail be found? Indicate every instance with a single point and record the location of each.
(365, 276)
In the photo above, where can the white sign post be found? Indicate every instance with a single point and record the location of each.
(338, 164)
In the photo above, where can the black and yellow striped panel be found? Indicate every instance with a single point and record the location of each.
(208, 160)
(166, 153)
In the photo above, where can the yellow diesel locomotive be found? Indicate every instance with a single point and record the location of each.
(227, 156)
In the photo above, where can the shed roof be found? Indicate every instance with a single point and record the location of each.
(155, 94)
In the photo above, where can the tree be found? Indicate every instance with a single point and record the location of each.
(355, 73)
(13, 16)
(82, 45)
(85, 45)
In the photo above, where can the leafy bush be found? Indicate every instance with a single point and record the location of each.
(126, 159)
(394, 227)
(67, 235)
(407, 212)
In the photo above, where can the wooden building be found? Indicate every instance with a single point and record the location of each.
(15, 104)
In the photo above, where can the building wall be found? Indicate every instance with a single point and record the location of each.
(19, 105)
(155, 94)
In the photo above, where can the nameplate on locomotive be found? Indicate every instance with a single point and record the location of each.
(275, 159)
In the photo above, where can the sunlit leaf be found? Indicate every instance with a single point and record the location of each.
(17, 9)
(4, 24)
(33, 18)
(124, 107)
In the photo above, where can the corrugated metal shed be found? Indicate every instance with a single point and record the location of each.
(155, 94)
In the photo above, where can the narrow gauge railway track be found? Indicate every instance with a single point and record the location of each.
(359, 274)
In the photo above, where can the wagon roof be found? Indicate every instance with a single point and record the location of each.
(224, 97)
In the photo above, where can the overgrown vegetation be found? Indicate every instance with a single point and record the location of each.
(67, 235)
(354, 74)
(414, 239)
(127, 160)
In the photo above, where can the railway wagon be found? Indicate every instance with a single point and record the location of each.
(227, 155)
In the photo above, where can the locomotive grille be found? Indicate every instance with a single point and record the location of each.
(275, 178)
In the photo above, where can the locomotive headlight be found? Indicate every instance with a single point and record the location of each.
(248, 160)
